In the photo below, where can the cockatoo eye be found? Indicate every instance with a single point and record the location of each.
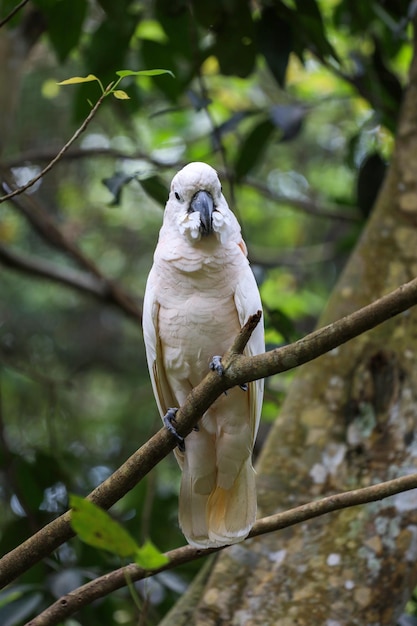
(177, 195)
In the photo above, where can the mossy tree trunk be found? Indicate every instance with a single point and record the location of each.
(350, 420)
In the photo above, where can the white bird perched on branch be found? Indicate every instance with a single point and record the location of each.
(199, 293)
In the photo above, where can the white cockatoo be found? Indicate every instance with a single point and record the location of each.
(199, 293)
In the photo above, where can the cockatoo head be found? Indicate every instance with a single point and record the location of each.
(196, 206)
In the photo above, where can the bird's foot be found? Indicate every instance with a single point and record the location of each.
(169, 421)
(216, 366)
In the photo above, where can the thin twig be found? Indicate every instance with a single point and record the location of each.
(102, 586)
(238, 369)
(63, 150)
(13, 12)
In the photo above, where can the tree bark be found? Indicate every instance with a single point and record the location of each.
(350, 420)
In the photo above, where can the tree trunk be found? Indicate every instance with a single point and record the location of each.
(350, 420)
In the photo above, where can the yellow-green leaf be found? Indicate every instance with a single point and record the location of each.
(120, 94)
(75, 80)
(96, 528)
(149, 557)
(157, 72)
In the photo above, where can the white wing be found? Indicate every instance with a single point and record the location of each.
(161, 388)
(248, 302)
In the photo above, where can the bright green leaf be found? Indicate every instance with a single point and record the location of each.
(120, 94)
(96, 528)
(124, 73)
(75, 80)
(149, 557)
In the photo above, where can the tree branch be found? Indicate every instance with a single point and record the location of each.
(46, 227)
(85, 153)
(306, 205)
(13, 12)
(239, 369)
(60, 154)
(45, 269)
(102, 586)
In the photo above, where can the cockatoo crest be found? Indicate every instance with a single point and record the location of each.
(196, 205)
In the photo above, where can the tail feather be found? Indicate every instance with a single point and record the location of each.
(220, 516)
(232, 512)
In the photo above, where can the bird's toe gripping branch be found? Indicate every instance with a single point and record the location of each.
(216, 366)
(169, 421)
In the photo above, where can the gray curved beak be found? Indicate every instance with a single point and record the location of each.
(203, 203)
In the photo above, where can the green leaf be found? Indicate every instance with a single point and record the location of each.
(275, 40)
(96, 528)
(156, 72)
(120, 94)
(253, 147)
(370, 177)
(75, 80)
(149, 557)
(311, 27)
(155, 187)
(234, 45)
(65, 20)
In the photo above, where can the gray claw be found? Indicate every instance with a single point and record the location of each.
(216, 365)
(169, 421)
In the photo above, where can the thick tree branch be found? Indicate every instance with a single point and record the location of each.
(323, 340)
(47, 228)
(102, 586)
(238, 370)
(45, 269)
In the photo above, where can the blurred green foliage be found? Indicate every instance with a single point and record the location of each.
(295, 103)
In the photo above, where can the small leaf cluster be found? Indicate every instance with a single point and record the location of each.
(111, 88)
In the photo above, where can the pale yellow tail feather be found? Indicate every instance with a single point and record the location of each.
(221, 518)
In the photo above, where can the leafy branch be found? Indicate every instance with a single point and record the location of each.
(239, 369)
(111, 89)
